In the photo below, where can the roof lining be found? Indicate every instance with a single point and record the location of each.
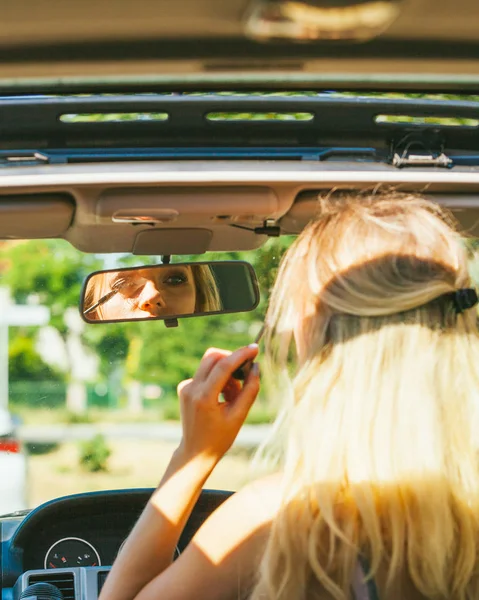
(95, 232)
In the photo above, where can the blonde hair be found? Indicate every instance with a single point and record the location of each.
(207, 294)
(378, 453)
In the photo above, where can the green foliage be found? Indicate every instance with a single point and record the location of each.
(260, 414)
(257, 116)
(113, 117)
(170, 409)
(50, 272)
(24, 362)
(168, 356)
(73, 418)
(94, 454)
(39, 448)
(27, 395)
(110, 343)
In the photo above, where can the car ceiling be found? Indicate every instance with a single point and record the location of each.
(432, 42)
(200, 206)
(62, 47)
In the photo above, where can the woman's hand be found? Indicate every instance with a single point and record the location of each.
(209, 425)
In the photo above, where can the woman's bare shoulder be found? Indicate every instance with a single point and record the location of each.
(259, 500)
(255, 505)
(237, 530)
(268, 487)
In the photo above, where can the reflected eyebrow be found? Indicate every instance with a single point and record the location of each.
(154, 274)
(124, 275)
(176, 268)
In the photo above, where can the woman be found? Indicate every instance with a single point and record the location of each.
(159, 291)
(378, 471)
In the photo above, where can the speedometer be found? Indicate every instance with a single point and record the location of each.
(71, 552)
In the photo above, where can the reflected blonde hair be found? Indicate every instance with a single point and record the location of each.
(207, 293)
(379, 423)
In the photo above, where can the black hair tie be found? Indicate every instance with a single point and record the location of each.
(464, 299)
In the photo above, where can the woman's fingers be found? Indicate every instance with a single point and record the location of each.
(247, 395)
(231, 390)
(214, 376)
(223, 369)
(210, 358)
(210, 426)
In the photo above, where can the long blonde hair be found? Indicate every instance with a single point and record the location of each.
(379, 454)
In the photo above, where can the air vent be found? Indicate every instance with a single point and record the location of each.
(65, 582)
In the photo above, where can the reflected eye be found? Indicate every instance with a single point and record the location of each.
(176, 279)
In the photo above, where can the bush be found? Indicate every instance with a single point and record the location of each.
(73, 418)
(25, 364)
(170, 409)
(39, 448)
(94, 454)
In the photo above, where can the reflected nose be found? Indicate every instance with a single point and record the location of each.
(151, 300)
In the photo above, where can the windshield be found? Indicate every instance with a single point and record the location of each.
(94, 407)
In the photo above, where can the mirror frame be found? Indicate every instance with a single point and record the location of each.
(171, 318)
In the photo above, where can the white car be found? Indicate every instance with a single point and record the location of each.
(13, 467)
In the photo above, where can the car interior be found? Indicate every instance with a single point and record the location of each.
(215, 133)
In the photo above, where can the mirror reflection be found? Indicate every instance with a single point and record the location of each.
(167, 291)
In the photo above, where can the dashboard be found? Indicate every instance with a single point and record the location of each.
(72, 542)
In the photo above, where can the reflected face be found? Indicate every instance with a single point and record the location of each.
(145, 293)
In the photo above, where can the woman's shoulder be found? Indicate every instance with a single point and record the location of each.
(239, 527)
(255, 505)
(259, 500)
(268, 486)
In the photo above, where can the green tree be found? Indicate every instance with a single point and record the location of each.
(50, 272)
(24, 362)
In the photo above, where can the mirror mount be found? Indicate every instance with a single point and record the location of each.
(166, 259)
(171, 323)
(269, 228)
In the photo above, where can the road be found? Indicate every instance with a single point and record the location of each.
(250, 436)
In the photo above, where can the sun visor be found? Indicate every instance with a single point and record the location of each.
(304, 209)
(464, 207)
(35, 216)
(172, 241)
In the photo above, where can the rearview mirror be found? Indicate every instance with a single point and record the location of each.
(169, 291)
